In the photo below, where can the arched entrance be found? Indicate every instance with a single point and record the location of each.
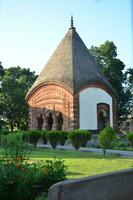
(39, 122)
(49, 121)
(59, 121)
(102, 120)
(103, 115)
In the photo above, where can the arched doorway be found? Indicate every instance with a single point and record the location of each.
(103, 115)
(59, 121)
(39, 122)
(102, 120)
(49, 121)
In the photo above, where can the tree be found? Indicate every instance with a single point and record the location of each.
(112, 67)
(15, 83)
(1, 107)
(106, 138)
(1, 70)
(129, 84)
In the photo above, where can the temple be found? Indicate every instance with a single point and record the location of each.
(71, 91)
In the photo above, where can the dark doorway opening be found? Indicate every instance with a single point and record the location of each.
(49, 121)
(101, 120)
(39, 122)
(59, 121)
(103, 115)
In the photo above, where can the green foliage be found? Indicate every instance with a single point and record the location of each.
(86, 135)
(17, 176)
(53, 138)
(15, 149)
(53, 171)
(129, 137)
(42, 197)
(33, 136)
(120, 143)
(4, 132)
(20, 178)
(43, 136)
(79, 138)
(106, 138)
(63, 136)
(15, 82)
(17, 180)
(106, 57)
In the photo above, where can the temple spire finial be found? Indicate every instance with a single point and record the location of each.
(71, 21)
(72, 27)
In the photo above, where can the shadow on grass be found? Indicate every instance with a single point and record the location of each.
(73, 173)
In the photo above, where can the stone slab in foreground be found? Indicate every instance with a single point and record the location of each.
(111, 186)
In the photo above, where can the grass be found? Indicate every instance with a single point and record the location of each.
(81, 164)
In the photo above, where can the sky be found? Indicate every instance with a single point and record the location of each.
(30, 30)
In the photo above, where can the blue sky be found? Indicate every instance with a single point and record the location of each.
(30, 30)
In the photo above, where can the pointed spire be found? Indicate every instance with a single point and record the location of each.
(71, 21)
(71, 25)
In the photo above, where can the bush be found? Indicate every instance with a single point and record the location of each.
(63, 136)
(120, 143)
(43, 136)
(53, 171)
(79, 138)
(15, 149)
(4, 132)
(106, 138)
(53, 138)
(129, 138)
(33, 136)
(19, 179)
(86, 135)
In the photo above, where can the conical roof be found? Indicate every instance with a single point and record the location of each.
(71, 65)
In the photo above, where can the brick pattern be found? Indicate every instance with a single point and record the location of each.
(54, 98)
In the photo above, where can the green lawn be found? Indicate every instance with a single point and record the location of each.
(82, 164)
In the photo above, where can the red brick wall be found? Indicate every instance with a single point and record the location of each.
(55, 98)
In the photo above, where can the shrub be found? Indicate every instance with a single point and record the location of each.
(16, 181)
(43, 136)
(120, 143)
(106, 138)
(33, 136)
(53, 138)
(86, 135)
(4, 132)
(19, 179)
(63, 136)
(79, 138)
(129, 138)
(16, 151)
(53, 171)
